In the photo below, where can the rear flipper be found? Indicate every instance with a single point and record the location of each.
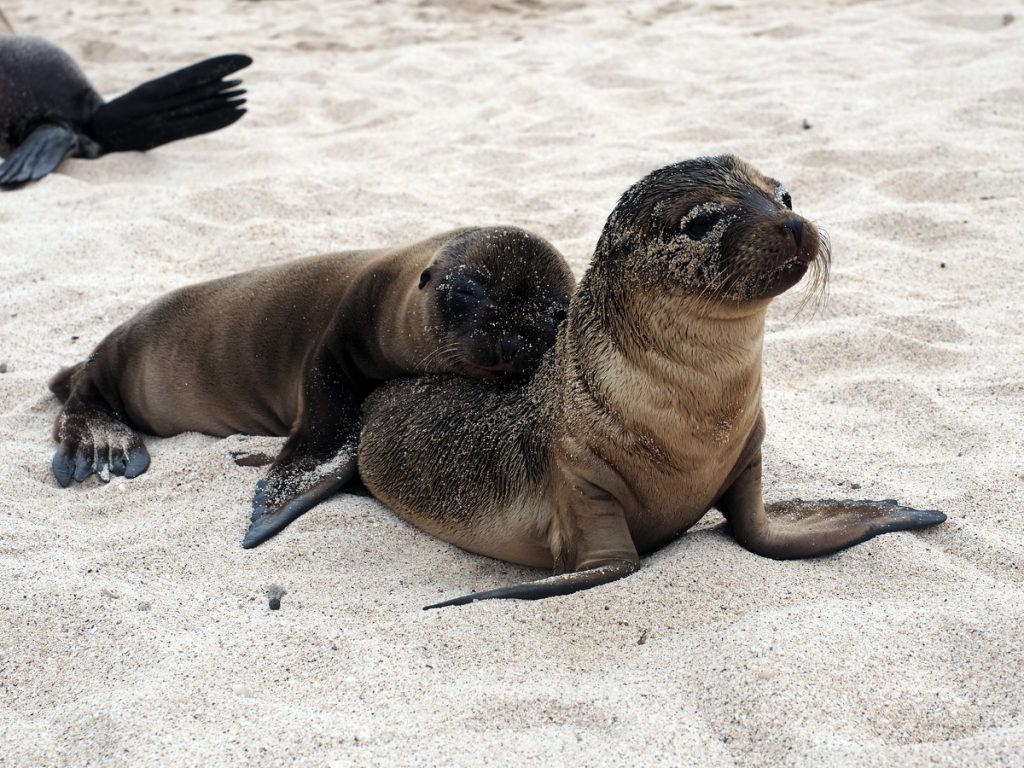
(599, 550)
(295, 486)
(185, 103)
(553, 586)
(93, 440)
(38, 155)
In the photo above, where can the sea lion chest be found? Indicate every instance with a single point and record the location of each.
(674, 435)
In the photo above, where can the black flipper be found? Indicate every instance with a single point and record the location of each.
(564, 584)
(185, 103)
(38, 155)
(292, 489)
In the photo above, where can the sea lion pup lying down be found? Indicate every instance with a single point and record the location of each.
(645, 414)
(293, 349)
(49, 110)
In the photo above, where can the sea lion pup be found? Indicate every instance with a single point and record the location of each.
(645, 414)
(293, 349)
(49, 110)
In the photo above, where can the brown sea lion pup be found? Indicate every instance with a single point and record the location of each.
(645, 414)
(293, 349)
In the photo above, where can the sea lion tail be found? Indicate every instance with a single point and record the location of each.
(554, 586)
(188, 102)
(60, 384)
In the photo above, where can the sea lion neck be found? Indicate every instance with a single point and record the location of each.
(658, 367)
(683, 330)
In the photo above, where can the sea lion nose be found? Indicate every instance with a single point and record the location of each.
(509, 346)
(795, 227)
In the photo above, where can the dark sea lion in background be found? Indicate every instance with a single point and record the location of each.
(293, 349)
(645, 414)
(49, 110)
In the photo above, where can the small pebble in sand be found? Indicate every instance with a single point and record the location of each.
(807, 125)
(3, 366)
(275, 593)
(144, 606)
(942, 265)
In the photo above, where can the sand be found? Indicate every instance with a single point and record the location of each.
(135, 630)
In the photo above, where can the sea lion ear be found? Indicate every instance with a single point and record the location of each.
(424, 277)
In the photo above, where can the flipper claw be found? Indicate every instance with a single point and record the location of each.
(63, 467)
(138, 462)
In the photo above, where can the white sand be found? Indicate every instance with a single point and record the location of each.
(134, 629)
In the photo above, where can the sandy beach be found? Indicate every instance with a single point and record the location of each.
(135, 631)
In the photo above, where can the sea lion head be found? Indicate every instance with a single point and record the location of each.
(714, 228)
(501, 294)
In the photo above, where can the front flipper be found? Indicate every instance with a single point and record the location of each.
(319, 456)
(290, 490)
(789, 530)
(38, 155)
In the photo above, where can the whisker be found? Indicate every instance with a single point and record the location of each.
(444, 358)
(815, 293)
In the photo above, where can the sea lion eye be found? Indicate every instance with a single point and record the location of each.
(466, 294)
(471, 290)
(787, 200)
(697, 227)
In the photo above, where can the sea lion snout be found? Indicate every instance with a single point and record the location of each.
(508, 348)
(796, 228)
(514, 354)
